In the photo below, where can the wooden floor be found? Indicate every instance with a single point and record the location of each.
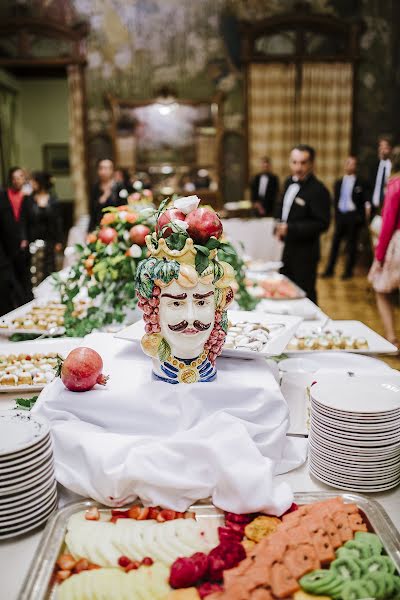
(354, 299)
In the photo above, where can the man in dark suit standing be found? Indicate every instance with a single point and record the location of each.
(349, 201)
(264, 190)
(382, 174)
(304, 214)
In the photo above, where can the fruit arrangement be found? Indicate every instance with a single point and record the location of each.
(276, 286)
(329, 340)
(27, 370)
(319, 551)
(106, 267)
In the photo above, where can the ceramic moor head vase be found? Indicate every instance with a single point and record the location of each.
(184, 290)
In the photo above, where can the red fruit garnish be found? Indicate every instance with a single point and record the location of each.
(226, 534)
(132, 566)
(124, 561)
(292, 508)
(143, 514)
(153, 512)
(166, 515)
(179, 515)
(62, 575)
(66, 562)
(93, 567)
(92, 514)
(203, 224)
(207, 588)
(166, 217)
(183, 573)
(238, 527)
(82, 369)
(114, 519)
(225, 556)
(147, 561)
(138, 234)
(200, 561)
(108, 235)
(134, 511)
(120, 514)
(81, 565)
(234, 518)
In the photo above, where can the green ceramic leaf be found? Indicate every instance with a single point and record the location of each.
(224, 321)
(164, 350)
(166, 270)
(213, 243)
(218, 271)
(217, 296)
(201, 262)
(203, 249)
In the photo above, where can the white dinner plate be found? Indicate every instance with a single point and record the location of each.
(354, 425)
(392, 435)
(350, 440)
(388, 450)
(338, 361)
(46, 475)
(24, 475)
(376, 343)
(371, 484)
(350, 461)
(26, 454)
(9, 532)
(29, 514)
(352, 487)
(276, 345)
(24, 496)
(17, 508)
(354, 471)
(20, 430)
(367, 419)
(360, 394)
(22, 465)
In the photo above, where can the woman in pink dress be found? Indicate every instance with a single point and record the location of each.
(385, 271)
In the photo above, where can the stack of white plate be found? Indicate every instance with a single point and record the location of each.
(28, 492)
(355, 431)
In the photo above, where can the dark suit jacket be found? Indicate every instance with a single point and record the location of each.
(9, 234)
(309, 216)
(359, 197)
(271, 194)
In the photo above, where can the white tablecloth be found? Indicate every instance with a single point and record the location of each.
(257, 237)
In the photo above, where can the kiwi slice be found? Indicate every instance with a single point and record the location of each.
(371, 539)
(390, 564)
(396, 590)
(377, 564)
(346, 568)
(383, 583)
(355, 590)
(358, 549)
(319, 581)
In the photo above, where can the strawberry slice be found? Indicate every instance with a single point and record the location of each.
(143, 514)
(120, 514)
(189, 515)
(92, 514)
(134, 511)
(66, 562)
(166, 515)
(81, 565)
(153, 512)
(62, 575)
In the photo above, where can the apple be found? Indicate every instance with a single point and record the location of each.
(203, 223)
(166, 217)
(138, 234)
(108, 235)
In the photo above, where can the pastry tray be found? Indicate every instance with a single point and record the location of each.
(37, 584)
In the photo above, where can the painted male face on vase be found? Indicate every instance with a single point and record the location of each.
(187, 317)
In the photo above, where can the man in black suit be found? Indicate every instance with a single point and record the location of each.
(349, 201)
(264, 189)
(382, 174)
(304, 214)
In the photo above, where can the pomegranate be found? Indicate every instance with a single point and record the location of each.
(138, 234)
(203, 224)
(81, 370)
(166, 217)
(108, 235)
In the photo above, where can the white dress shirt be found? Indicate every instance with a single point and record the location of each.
(262, 185)
(385, 166)
(346, 203)
(288, 200)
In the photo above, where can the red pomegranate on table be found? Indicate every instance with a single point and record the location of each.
(166, 217)
(108, 235)
(138, 234)
(203, 224)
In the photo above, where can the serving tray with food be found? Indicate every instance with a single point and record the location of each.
(272, 285)
(334, 547)
(250, 333)
(345, 336)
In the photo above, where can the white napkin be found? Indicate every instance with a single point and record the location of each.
(173, 444)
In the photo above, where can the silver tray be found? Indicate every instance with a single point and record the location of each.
(37, 583)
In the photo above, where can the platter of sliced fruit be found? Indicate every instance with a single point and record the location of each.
(324, 546)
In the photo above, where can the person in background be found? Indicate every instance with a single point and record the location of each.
(104, 193)
(123, 181)
(350, 196)
(303, 214)
(11, 293)
(265, 189)
(374, 207)
(15, 195)
(385, 271)
(41, 219)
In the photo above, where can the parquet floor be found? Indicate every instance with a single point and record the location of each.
(354, 299)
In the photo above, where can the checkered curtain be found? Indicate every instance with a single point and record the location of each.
(77, 139)
(325, 115)
(271, 115)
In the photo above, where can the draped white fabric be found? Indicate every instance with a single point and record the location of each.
(172, 445)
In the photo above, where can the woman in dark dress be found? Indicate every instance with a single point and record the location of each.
(105, 192)
(41, 220)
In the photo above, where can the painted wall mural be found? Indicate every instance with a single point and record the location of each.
(136, 47)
